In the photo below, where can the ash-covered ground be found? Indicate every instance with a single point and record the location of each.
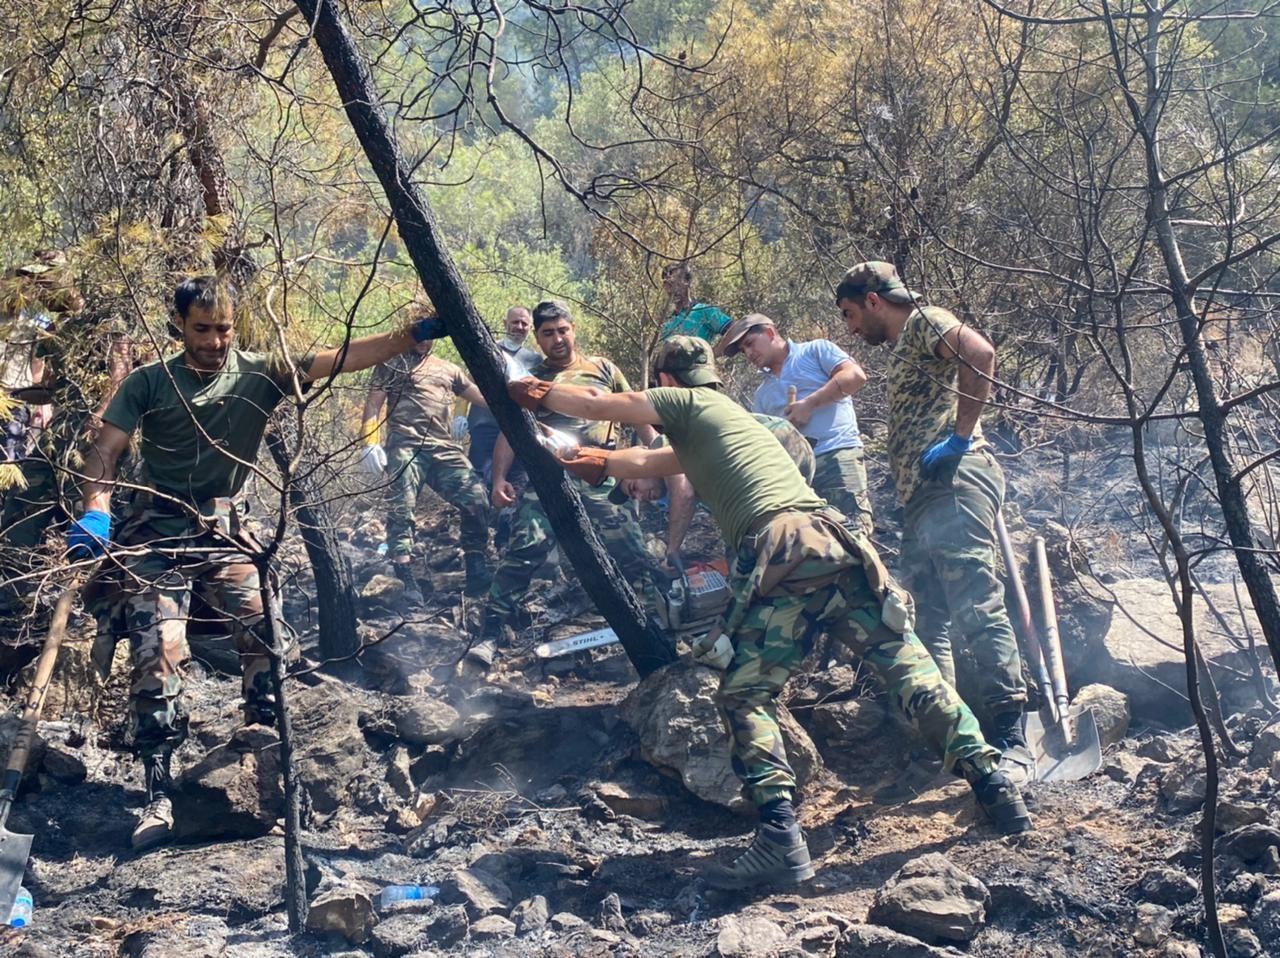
(559, 810)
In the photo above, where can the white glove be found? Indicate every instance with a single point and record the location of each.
(713, 649)
(374, 459)
(460, 429)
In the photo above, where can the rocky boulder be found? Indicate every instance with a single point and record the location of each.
(871, 941)
(1110, 710)
(421, 720)
(933, 900)
(331, 749)
(674, 714)
(347, 912)
(749, 936)
(1140, 653)
(233, 792)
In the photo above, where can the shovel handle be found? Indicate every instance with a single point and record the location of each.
(1025, 619)
(34, 703)
(1052, 643)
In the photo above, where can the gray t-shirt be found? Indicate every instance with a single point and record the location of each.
(809, 367)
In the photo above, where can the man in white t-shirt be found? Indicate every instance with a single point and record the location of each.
(810, 385)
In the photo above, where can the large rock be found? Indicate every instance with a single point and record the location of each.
(1249, 843)
(347, 912)
(331, 749)
(870, 941)
(426, 721)
(192, 936)
(749, 936)
(933, 900)
(1110, 710)
(243, 879)
(479, 892)
(1266, 748)
(1152, 924)
(1140, 653)
(674, 714)
(233, 792)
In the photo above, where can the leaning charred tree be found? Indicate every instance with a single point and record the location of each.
(647, 648)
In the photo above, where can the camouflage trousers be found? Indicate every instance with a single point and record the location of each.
(446, 470)
(532, 541)
(949, 564)
(841, 479)
(773, 633)
(184, 576)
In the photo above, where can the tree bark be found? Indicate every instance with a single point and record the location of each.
(1210, 411)
(335, 591)
(647, 648)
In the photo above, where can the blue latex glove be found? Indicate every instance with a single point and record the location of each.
(430, 328)
(89, 535)
(953, 447)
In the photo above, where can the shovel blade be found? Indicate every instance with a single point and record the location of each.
(15, 849)
(1066, 751)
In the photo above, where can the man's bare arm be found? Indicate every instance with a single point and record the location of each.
(100, 467)
(371, 418)
(640, 463)
(681, 502)
(631, 408)
(976, 361)
(846, 380)
(360, 354)
(473, 395)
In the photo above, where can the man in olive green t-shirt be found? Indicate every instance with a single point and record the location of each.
(799, 569)
(201, 416)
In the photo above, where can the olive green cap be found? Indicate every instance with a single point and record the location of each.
(688, 358)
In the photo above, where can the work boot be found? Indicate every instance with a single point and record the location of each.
(479, 575)
(1016, 759)
(412, 595)
(922, 774)
(155, 826)
(1002, 803)
(776, 856)
(485, 649)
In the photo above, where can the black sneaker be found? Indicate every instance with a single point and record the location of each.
(1002, 803)
(776, 856)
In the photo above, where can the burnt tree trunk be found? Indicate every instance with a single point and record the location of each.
(335, 590)
(647, 648)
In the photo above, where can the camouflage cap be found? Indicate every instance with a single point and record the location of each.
(688, 358)
(875, 276)
(728, 345)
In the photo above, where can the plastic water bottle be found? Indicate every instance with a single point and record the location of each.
(396, 893)
(382, 549)
(20, 915)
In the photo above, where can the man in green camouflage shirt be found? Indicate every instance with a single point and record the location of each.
(201, 415)
(418, 390)
(532, 538)
(799, 570)
(940, 375)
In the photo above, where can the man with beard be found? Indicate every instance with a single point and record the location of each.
(201, 415)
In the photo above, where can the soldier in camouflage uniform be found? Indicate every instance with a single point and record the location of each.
(799, 570)
(531, 535)
(419, 389)
(201, 415)
(940, 374)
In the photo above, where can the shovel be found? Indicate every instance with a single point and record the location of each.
(1068, 748)
(15, 848)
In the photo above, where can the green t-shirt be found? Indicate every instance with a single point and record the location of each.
(737, 466)
(420, 391)
(196, 425)
(705, 322)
